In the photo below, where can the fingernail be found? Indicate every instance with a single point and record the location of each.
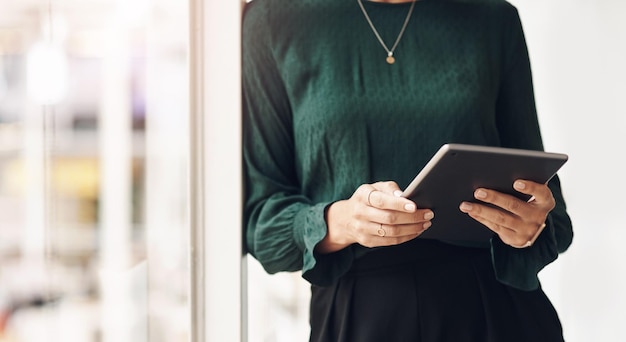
(397, 193)
(519, 185)
(429, 215)
(481, 194)
(427, 225)
(466, 206)
(409, 207)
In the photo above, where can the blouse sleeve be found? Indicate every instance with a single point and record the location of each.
(519, 128)
(282, 226)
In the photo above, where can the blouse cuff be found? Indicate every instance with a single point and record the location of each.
(519, 268)
(319, 269)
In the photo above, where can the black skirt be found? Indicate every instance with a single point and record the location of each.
(429, 291)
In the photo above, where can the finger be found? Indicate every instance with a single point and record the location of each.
(507, 202)
(392, 217)
(401, 230)
(511, 230)
(383, 235)
(540, 193)
(365, 229)
(533, 213)
(378, 241)
(495, 219)
(389, 187)
(384, 200)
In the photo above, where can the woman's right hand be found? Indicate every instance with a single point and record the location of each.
(374, 216)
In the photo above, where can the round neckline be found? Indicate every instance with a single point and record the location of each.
(390, 4)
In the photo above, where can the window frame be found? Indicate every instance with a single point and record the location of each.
(218, 264)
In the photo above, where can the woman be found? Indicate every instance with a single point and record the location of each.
(344, 101)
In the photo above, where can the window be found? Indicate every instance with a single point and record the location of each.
(94, 171)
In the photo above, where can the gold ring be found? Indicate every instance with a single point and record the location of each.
(381, 231)
(368, 197)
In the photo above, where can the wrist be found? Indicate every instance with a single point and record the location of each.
(336, 238)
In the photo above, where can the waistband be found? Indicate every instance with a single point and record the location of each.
(416, 251)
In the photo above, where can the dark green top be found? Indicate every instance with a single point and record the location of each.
(324, 113)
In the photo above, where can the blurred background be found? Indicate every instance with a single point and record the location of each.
(577, 50)
(93, 170)
(95, 155)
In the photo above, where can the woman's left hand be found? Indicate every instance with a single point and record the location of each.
(517, 222)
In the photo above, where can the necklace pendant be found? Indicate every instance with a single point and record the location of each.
(390, 59)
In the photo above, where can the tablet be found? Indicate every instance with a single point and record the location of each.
(456, 170)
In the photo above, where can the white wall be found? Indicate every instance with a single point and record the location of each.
(578, 53)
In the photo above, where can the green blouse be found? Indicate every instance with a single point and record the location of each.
(324, 113)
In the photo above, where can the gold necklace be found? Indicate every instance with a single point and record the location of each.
(390, 59)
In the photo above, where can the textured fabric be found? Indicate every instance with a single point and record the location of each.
(425, 291)
(324, 113)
